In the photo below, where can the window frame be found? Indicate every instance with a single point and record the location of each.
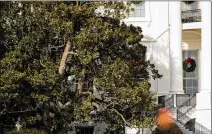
(140, 19)
(138, 9)
(185, 87)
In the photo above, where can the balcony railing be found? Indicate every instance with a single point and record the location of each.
(189, 16)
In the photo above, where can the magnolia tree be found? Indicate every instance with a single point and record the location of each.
(103, 68)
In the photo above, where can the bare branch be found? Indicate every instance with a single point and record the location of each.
(42, 64)
(14, 112)
(64, 57)
(125, 121)
(72, 53)
(80, 86)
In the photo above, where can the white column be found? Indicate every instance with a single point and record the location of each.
(176, 47)
(205, 59)
(203, 106)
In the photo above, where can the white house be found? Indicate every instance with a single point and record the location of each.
(174, 31)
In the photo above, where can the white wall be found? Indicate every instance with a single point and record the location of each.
(155, 25)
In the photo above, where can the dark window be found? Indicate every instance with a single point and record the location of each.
(84, 130)
(161, 100)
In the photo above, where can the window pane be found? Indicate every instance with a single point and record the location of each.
(139, 10)
(195, 90)
(131, 14)
(137, 13)
(143, 13)
(190, 74)
(189, 5)
(194, 55)
(189, 83)
(190, 86)
(142, 5)
(188, 91)
(195, 83)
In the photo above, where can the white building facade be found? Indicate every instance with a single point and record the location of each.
(173, 32)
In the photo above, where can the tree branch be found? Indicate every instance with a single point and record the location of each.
(64, 57)
(125, 121)
(42, 64)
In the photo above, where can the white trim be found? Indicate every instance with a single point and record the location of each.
(193, 25)
(147, 38)
(203, 109)
(162, 93)
(187, 47)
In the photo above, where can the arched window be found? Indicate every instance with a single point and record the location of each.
(189, 5)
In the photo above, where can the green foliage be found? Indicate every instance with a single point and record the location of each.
(173, 130)
(35, 34)
(26, 131)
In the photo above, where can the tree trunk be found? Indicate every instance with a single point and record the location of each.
(80, 86)
(1, 126)
(46, 117)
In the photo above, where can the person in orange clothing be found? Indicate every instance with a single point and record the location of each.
(164, 119)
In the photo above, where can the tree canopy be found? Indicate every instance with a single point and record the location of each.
(109, 72)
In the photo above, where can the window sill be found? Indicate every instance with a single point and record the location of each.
(136, 19)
